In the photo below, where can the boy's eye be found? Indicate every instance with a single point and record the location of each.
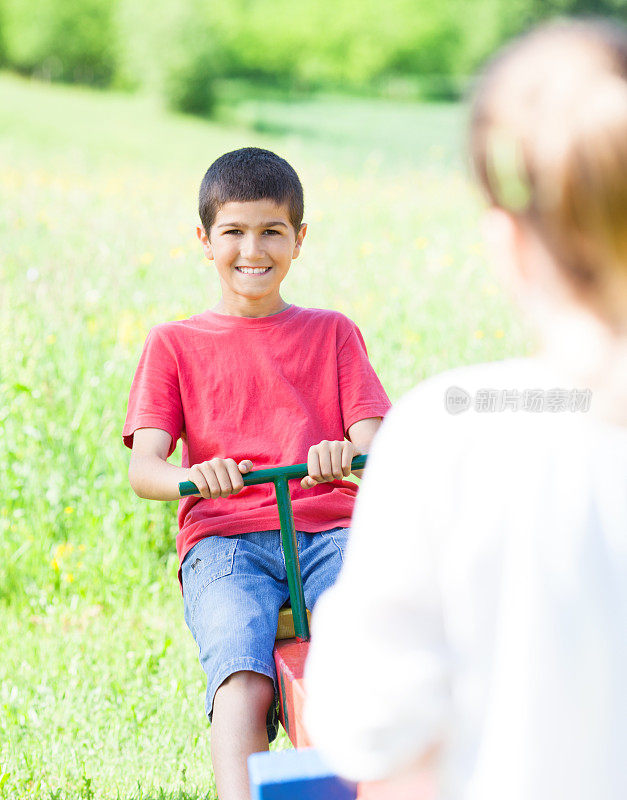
(271, 232)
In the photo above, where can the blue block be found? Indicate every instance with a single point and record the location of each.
(295, 775)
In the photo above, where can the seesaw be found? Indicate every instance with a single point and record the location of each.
(301, 774)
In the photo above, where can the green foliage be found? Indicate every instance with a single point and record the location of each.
(3, 53)
(607, 8)
(61, 39)
(192, 60)
(178, 48)
(339, 43)
(175, 53)
(189, 84)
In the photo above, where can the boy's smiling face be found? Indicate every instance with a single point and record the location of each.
(253, 244)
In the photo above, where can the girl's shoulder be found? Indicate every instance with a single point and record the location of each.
(454, 388)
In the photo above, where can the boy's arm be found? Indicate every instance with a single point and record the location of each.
(361, 434)
(328, 461)
(153, 478)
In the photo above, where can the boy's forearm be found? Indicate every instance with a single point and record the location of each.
(361, 435)
(152, 478)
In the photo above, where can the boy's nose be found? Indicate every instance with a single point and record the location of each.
(251, 247)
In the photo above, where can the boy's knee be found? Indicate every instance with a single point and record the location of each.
(252, 688)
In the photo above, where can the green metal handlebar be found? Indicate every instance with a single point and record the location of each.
(279, 476)
(293, 472)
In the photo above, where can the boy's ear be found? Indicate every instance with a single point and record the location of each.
(299, 239)
(204, 241)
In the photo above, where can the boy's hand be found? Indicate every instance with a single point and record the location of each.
(219, 477)
(328, 461)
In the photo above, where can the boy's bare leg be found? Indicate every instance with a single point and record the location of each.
(238, 728)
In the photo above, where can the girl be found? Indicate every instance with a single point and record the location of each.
(481, 614)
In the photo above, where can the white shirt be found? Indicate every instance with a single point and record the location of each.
(483, 600)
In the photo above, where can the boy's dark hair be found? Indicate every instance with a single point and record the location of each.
(250, 174)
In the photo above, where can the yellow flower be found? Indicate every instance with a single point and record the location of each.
(499, 334)
(146, 258)
(130, 329)
(410, 336)
(177, 252)
(61, 551)
(82, 548)
(366, 248)
(68, 577)
(69, 509)
(479, 334)
(51, 338)
(54, 564)
(420, 242)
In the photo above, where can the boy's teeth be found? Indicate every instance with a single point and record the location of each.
(252, 270)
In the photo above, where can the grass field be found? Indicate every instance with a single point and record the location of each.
(100, 688)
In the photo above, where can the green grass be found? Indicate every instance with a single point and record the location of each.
(100, 689)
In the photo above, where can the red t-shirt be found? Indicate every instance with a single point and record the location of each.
(265, 389)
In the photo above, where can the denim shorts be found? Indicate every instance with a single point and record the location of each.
(233, 588)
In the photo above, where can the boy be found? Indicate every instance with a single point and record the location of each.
(253, 382)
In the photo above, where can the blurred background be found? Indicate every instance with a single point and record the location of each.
(110, 113)
(197, 54)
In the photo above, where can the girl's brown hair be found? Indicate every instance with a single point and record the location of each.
(548, 140)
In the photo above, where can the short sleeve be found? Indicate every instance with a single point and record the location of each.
(155, 397)
(361, 393)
